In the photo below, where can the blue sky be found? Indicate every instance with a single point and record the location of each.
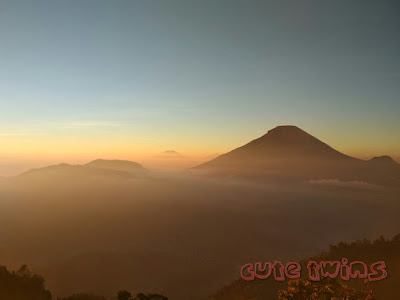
(201, 76)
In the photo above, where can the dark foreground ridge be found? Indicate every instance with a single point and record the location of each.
(387, 250)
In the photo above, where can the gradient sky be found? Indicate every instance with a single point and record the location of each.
(128, 77)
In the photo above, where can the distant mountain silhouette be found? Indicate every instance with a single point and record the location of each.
(171, 152)
(289, 153)
(383, 160)
(117, 165)
(100, 167)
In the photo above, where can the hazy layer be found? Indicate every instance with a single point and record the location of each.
(178, 235)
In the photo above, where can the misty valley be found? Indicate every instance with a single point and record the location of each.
(111, 225)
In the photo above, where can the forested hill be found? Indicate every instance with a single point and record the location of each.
(387, 250)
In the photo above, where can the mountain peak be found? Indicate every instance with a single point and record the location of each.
(292, 142)
(285, 128)
(288, 132)
(385, 159)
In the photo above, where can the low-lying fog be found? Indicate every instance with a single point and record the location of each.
(181, 236)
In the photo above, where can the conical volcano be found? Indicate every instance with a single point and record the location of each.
(287, 142)
(289, 153)
(281, 144)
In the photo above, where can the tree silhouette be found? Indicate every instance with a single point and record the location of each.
(83, 296)
(156, 297)
(124, 295)
(141, 296)
(325, 289)
(22, 285)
